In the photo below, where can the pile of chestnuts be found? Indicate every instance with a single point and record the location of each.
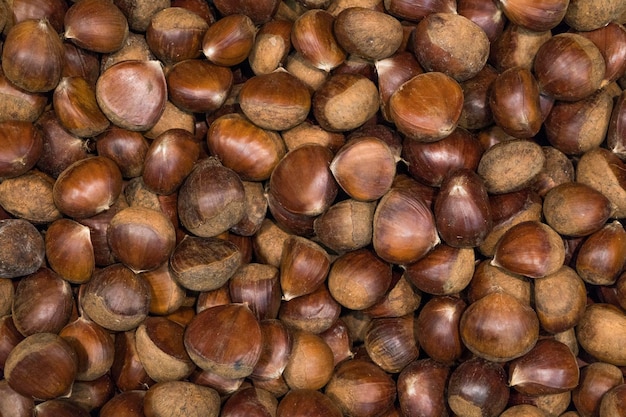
(290, 208)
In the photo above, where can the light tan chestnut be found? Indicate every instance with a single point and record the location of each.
(345, 102)
(368, 33)
(560, 300)
(427, 107)
(602, 333)
(275, 101)
(510, 165)
(452, 44)
(576, 209)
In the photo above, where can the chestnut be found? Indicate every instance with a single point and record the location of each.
(115, 298)
(361, 388)
(32, 56)
(600, 333)
(302, 183)
(75, 105)
(392, 342)
(304, 266)
(241, 340)
(530, 248)
(549, 367)
(199, 86)
(228, 41)
(96, 26)
(170, 158)
(204, 264)
(427, 107)
(612, 401)
(346, 225)
(29, 197)
(42, 366)
(398, 237)
(478, 385)
(23, 259)
(275, 355)
(429, 162)
(14, 403)
(337, 337)
(312, 36)
(126, 148)
(560, 299)
(311, 362)
(275, 101)
(600, 255)
(345, 102)
(129, 403)
(499, 328)
(211, 199)
(590, 209)
(94, 346)
(444, 270)
(596, 379)
(18, 104)
(452, 44)
(437, 328)
(185, 398)
(391, 73)
(604, 171)
(250, 401)
(537, 17)
(583, 16)
(516, 47)
(175, 34)
(127, 371)
(249, 150)
(489, 278)
(42, 302)
(400, 299)
(141, 238)
(417, 10)
(569, 67)
(421, 388)
(160, 348)
(359, 278)
(132, 105)
(367, 33)
(307, 402)
(271, 46)
(364, 168)
(257, 285)
(22, 147)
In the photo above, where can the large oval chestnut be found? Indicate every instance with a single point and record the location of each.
(87, 187)
(240, 338)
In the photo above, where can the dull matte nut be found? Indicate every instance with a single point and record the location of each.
(452, 44)
(22, 259)
(510, 165)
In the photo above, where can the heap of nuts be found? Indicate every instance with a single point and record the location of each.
(363, 208)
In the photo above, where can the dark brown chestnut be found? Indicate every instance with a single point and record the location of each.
(75, 105)
(241, 340)
(257, 285)
(42, 366)
(437, 328)
(96, 26)
(478, 386)
(392, 342)
(22, 147)
(169, 159)
(211, 199)
(42, 302)
(115, 298)
(32, 56)
(228, 41)
(421, 388)
(549, 367)
(596, 379)
(360, 387)
(599, 256)
(175, 34)
(304, 266)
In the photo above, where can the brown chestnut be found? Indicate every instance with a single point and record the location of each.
(499, 328)
(228, 41)
(96, 26)
(240, 335)
(175, 34)
(437, 328)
